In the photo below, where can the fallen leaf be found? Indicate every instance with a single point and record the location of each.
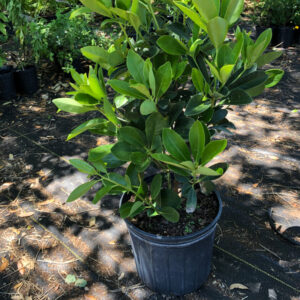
(92, 221)
(46, 202)
(5, 186)
(18, 285)
(89, 297)
(238, 286)
(121, 276)
(21, 267)
(11, 156)
(3, 264)
(25, 214)
(255, 185)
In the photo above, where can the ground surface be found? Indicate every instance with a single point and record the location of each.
(43, 239)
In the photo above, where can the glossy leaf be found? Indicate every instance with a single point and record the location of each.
(198, 80)
(267, 58)
(101, 193)
(156, 186)
(81, 190)
(231, 10)
(100, 152)
(148, 107)
(197, 140)
(175, 145)
(274, 76)
(238, 97)
(212, 149)
(163, 79)
(83, 166)
(132, 135)
(196, 106)
(170, 214)
(169, 198)
(208, 9)
(97, 6)
(154, 125)
(86, 126)
(191, 202)
(109, 113)
(135, 65)
(217, 29)
(123, 88)
(194, 16)
(72, 106)
(96, 54)
(172, 46)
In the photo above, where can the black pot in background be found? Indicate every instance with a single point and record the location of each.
(285, 36)
(7, 83)
(297, 36)
(173, 265)
(261, 29)
(26, 80)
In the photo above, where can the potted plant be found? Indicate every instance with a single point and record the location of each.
(160, 125)
(279, 15)
(7, 85)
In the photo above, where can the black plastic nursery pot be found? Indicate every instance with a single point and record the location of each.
(261, 29)
(26, 80)
(173, 265)
(285, 36)
(7, 83)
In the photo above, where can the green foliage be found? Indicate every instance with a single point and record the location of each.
(156, 121)
(276, 12)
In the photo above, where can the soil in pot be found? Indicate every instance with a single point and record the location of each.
(7, 83)
(207, 210)
(26, 80)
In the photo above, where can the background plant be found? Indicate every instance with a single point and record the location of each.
(156, 120)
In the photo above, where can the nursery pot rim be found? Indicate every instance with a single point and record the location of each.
(5, 69)
(174, 239)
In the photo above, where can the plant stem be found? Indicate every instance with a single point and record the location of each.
(153, 15)
(126, 36)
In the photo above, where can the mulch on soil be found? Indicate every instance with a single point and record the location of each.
(43, 238)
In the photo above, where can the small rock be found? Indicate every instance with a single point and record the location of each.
(272, 294)
(45, 97)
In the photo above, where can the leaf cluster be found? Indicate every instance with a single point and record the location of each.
(157, 121)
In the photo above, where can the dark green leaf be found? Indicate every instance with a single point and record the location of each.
(170, 214)
(238, 97)
(163, 78)
(274, 76)
(100, 152)
(196, 106)
(123, 87)
(72, 106)
(135, 65)
(154, 125)
(83, 166)
(191, 202)
(132, 135)
(169, 198)
(156, 186)
(212, 149)
(148, 107)
(81, 190)
(172, 46)
(175, 145)
(197, 140)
